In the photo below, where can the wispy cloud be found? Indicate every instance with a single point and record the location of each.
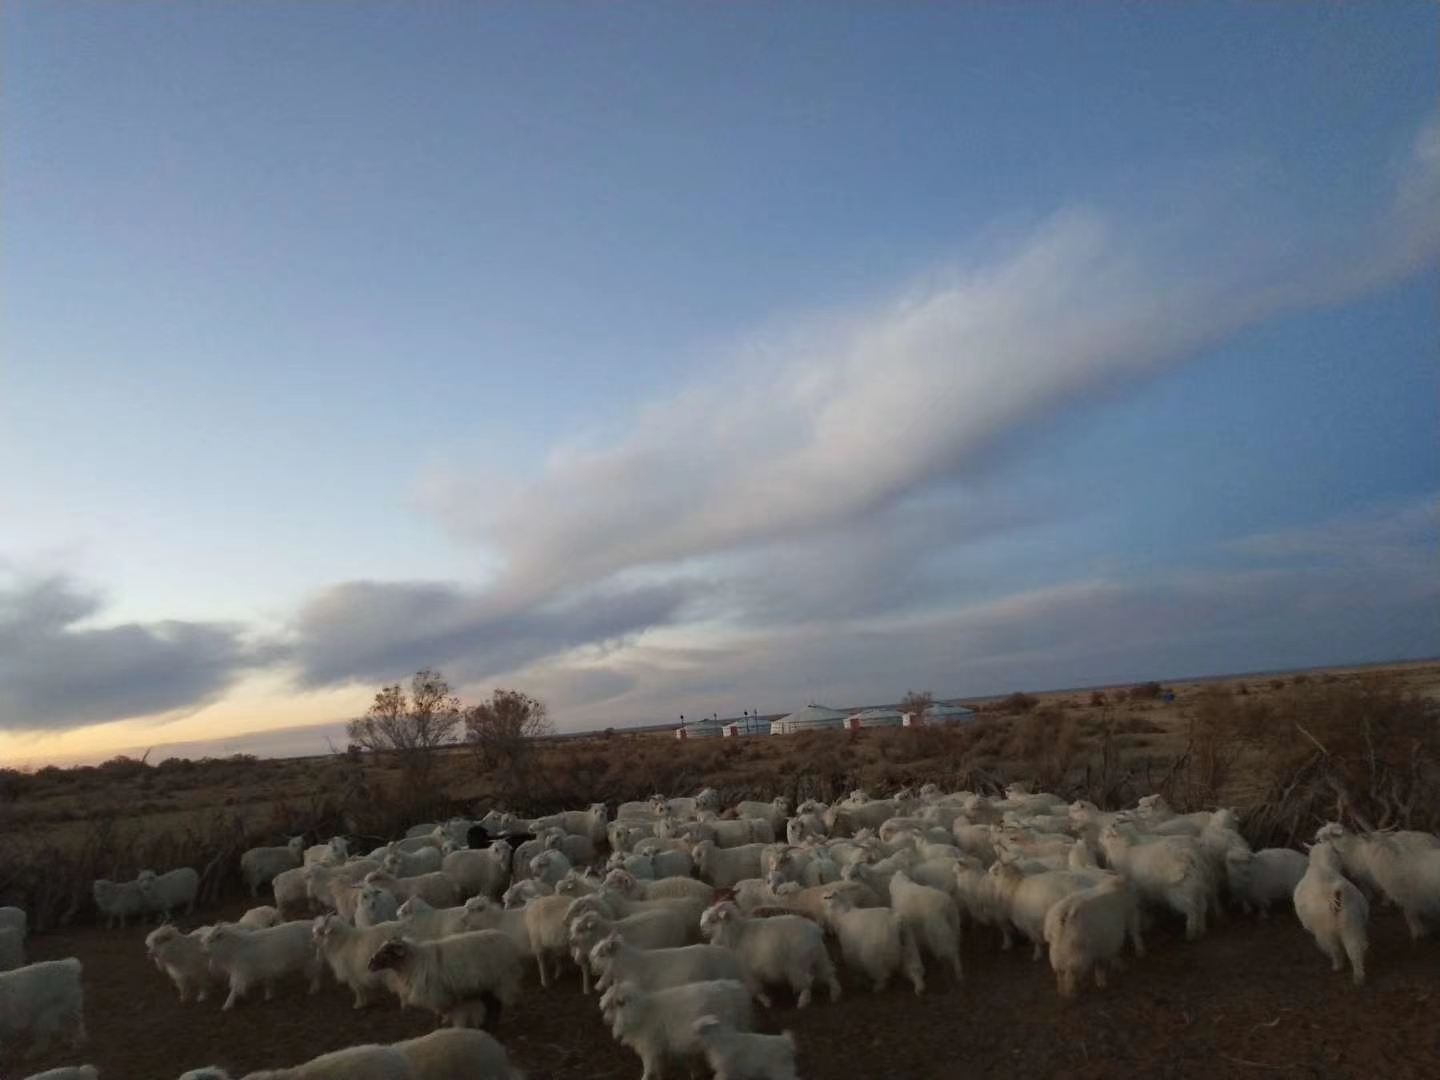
(846, 417)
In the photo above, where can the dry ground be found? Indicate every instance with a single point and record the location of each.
(1252, 999)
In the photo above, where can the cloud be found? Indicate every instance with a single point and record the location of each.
(845, 417)
(375, 631)
(828, 475)
(1268, 605)
(56, 672)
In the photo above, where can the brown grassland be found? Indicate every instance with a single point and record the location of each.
(1287, 751)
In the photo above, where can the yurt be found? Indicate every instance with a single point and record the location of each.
(875, 718)
(810, 718)
(699, 729)
(944, 713)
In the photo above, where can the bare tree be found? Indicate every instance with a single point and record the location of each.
(916, 703)
(503, 729)
(412, 725)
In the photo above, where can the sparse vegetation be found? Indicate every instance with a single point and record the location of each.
(1364, 748)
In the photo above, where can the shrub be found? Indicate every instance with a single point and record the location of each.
(1019, 702)
(1146, 691)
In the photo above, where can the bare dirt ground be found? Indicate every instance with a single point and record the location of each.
(1252, 999)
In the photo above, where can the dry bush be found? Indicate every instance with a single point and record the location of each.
(1366, 751)
(1098, 699)
(1148, 691)
(1019, 702)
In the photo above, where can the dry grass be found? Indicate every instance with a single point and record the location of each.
(1287, 753)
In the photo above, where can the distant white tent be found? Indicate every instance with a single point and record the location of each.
(810, 718)
(944, 713)
(875, 718)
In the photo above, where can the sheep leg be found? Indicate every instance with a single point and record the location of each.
(1100, 976)
(1355, 944)
(234, 997)
(1416, 924)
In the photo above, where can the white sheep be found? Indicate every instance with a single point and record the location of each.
(375, 906)
(367, 1062)
(68, 1072)
(723, 867)
(741, 831)
(257, 918)
(1173, 875)
(931, 917)
(547, 924)
(676, 888)
(482, 913)
(295, 888)
(12, 948)
(259, 865)
(659, 1025)
(810, 901)
(331, 853)
(40, 1001)
(788, 949)
(436, 889)
(457, 1054)
(1334, 911)
(979, 898)
(261, 957)
(549, 866)
(1258, 879)
(614, 904)
(465, 979)
(1405, 867)
(337, 887)
(163, 893)
(426, 922)
(1086, 931)
(589, 823)
(483, 872)
(656, 929)
(346, 951)
(580, 850)
(1026, 898)
(874, 942)
(521, 893)
(182, 958)
(776, 811)
(400, 864)
(745, 1055)
(613, 960)
(118, 900)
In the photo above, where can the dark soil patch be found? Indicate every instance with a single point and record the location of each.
(1252, 1000)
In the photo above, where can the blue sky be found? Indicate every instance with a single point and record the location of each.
(670, 358)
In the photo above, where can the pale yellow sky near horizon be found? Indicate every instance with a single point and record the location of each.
(258, 704)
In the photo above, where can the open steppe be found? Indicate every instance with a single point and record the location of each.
(1252, 998)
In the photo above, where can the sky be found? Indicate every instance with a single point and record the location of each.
(662, 359)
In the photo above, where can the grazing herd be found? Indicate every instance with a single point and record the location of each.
(683, 916)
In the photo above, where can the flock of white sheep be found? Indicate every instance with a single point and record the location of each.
(694, 915)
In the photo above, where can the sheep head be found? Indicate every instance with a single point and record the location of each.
(391, 956)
